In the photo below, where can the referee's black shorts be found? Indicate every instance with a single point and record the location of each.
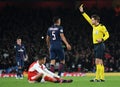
(99, 50)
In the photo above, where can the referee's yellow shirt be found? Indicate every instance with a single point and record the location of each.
(99, 31)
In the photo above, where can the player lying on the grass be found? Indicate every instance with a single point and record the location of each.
(39, 73)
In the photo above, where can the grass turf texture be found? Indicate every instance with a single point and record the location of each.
(111, 81)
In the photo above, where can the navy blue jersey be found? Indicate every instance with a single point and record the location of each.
(20, 51)
(54, 34)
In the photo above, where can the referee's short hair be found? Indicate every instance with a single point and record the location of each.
(96, 17)
(55, 19)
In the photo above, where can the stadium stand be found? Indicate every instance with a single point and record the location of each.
(32, 24)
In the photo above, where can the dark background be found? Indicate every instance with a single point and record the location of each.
(31, 19)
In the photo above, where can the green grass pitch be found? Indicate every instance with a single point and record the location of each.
(111, 81)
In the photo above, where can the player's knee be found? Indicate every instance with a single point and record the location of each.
(45, 74)
(62, 61)
(101, 61)
(53, 62)
(97, 61)
(40, 74)
(19, 67)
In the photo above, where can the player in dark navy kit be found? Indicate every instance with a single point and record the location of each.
(20, 56)
(54, 39)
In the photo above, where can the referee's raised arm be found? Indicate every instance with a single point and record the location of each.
(85, 15)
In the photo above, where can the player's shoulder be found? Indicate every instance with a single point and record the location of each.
(33, 64)
(61, 27)
(22, 45)
(16, 46)
(51, 27)
(55, 27)
(102, 25)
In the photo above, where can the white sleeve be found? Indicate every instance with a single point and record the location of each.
(51, 73)
(39, 69)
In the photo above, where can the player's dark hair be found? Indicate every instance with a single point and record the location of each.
(41, 56)
(55, 19)
(19, 37)
(96, 17)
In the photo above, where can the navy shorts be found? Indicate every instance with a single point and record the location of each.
(20, 62)
(99, 50)
(57, 53)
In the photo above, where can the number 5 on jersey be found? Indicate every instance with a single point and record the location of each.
(53, 34)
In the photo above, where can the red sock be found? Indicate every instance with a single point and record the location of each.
(60, 69)
(50, 79)
(52, 68)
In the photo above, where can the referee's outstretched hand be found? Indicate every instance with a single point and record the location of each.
(81, 8)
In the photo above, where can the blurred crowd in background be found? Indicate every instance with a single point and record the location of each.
(32, 24)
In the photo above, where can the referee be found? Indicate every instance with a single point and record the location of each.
(99, 34)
